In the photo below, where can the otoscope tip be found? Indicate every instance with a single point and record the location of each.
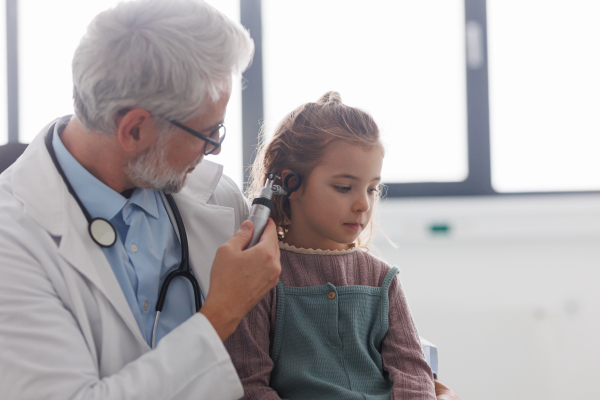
(271, 176)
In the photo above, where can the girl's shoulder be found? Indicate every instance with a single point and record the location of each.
(380, 268)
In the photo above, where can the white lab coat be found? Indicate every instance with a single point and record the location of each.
(66, 329)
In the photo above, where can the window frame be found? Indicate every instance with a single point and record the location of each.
(12, 71)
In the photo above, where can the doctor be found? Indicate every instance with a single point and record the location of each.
(152, 80)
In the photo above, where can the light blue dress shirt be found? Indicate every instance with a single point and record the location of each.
(147, 248)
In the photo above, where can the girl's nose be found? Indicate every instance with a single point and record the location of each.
(362, 203)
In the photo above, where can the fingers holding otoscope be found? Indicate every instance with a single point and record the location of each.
(263, 203)
(242, 274)
(240, 278)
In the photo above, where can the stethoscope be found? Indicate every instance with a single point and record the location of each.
(104, 234)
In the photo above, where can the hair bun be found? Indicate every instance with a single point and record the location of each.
(330, 97)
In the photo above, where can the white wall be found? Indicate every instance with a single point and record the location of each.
(510, 295)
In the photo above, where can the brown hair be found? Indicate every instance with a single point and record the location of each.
(299, 142)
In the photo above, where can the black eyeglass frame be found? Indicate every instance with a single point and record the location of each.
(208, 139)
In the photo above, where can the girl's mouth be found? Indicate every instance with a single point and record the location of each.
(353, 226)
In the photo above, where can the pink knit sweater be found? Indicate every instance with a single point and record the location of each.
(251, 344)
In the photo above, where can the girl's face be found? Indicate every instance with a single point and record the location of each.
(335, 202)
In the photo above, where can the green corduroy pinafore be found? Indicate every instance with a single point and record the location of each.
(327, 342)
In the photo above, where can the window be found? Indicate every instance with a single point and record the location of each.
(49, 33)
(544, 95)
(401, 61)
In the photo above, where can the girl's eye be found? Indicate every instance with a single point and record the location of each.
(373, 191)
(342, 189)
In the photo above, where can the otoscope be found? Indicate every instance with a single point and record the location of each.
(262, 205)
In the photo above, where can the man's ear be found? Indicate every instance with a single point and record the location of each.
(136, 130)
(292, 182)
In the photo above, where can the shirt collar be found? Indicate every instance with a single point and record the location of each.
(99, 199)
(146, 199)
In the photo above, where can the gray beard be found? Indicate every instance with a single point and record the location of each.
(151, 170)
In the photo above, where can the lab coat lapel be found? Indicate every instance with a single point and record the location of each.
(208, 226)
(79, 250)
(48, 201)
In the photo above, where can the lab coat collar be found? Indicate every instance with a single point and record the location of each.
(37, 183)
(202, 182)
(39, 186)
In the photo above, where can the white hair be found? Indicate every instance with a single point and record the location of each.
(166, 57)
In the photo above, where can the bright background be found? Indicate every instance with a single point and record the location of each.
(49, 32)
(384, 57)
(544, 68)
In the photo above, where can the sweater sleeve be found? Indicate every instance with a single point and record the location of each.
(401, 351)
(249, 348)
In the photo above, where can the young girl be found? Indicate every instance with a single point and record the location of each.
(337, 326)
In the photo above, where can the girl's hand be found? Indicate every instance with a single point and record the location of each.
(443, 392)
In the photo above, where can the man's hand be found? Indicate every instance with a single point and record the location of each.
(443, 392)
(240, 278)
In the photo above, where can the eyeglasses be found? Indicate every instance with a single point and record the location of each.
(212, 144)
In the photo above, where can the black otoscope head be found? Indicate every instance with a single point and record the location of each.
(284, 190)
(286, 181)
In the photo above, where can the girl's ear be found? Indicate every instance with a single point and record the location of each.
(292, 182)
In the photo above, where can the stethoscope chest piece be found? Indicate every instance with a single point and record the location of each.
(102, 232)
